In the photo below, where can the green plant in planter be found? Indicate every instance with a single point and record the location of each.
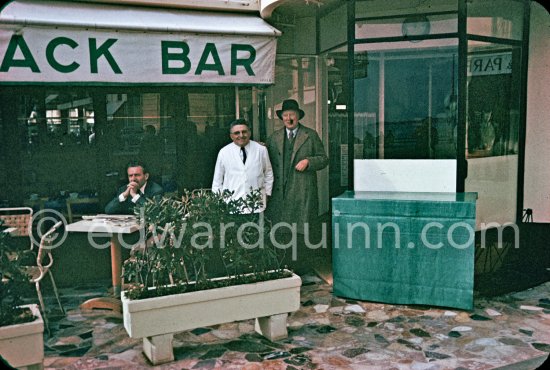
(15, 284)
(189, 236)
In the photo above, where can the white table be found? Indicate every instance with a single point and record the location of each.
(113, 226)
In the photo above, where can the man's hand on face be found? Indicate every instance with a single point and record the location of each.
(126, 192)
(137, 177)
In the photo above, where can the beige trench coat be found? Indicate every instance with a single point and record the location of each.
(295, 199)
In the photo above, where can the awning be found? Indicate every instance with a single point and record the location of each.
(62, 42)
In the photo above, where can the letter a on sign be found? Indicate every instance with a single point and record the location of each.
(17, 41)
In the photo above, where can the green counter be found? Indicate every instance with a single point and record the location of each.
(404, 248)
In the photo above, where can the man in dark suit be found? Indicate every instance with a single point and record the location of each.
(135, 192)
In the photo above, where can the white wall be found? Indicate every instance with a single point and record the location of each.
(495, 181)
(537, 146)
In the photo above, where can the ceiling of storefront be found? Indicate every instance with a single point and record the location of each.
(304, 8)
(286, 10)
(289, 12)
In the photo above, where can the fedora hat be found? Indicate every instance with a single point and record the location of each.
(290, 104)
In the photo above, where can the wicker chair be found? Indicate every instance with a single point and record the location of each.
(18, 218)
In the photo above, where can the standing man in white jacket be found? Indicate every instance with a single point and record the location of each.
(243, 165)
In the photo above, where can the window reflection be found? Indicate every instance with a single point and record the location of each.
(140, 126)
(296, 79)
(493, 100)
(502, 18)
(405, 105)
(71, 145)
(338, 97)
(59, 119)
(204, 132)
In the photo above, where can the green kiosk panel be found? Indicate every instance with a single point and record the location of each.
(404, 247)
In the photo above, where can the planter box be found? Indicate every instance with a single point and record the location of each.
(157, 319)
(22, 345)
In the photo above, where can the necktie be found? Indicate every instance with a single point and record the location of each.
(290, 135)
(244, 154)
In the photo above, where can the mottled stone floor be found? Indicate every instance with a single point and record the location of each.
(326, 333)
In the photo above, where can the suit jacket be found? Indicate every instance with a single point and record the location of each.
(294, 198)
(152, 190)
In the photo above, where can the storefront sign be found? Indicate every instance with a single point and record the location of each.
(83, 56)
(490, 64)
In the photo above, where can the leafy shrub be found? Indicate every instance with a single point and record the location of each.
(15, 284)
(186, 236)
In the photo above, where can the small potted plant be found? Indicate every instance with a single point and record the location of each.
(21, 326)
(171, 283)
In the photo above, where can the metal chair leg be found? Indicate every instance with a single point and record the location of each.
(56, 292)
(43, 307)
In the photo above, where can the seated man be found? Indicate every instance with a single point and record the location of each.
(135, 192)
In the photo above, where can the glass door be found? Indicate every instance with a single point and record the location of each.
(492, 130)
(405, 90)
(493, 102)
(338, 100)
(405, 104)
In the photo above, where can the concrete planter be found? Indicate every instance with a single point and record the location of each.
(157, 319)
(22, 345)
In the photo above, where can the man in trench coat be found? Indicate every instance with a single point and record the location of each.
(296, 153)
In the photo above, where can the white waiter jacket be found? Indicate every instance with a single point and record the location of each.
(234, 175)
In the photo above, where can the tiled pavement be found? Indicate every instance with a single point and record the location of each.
(510, 331)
